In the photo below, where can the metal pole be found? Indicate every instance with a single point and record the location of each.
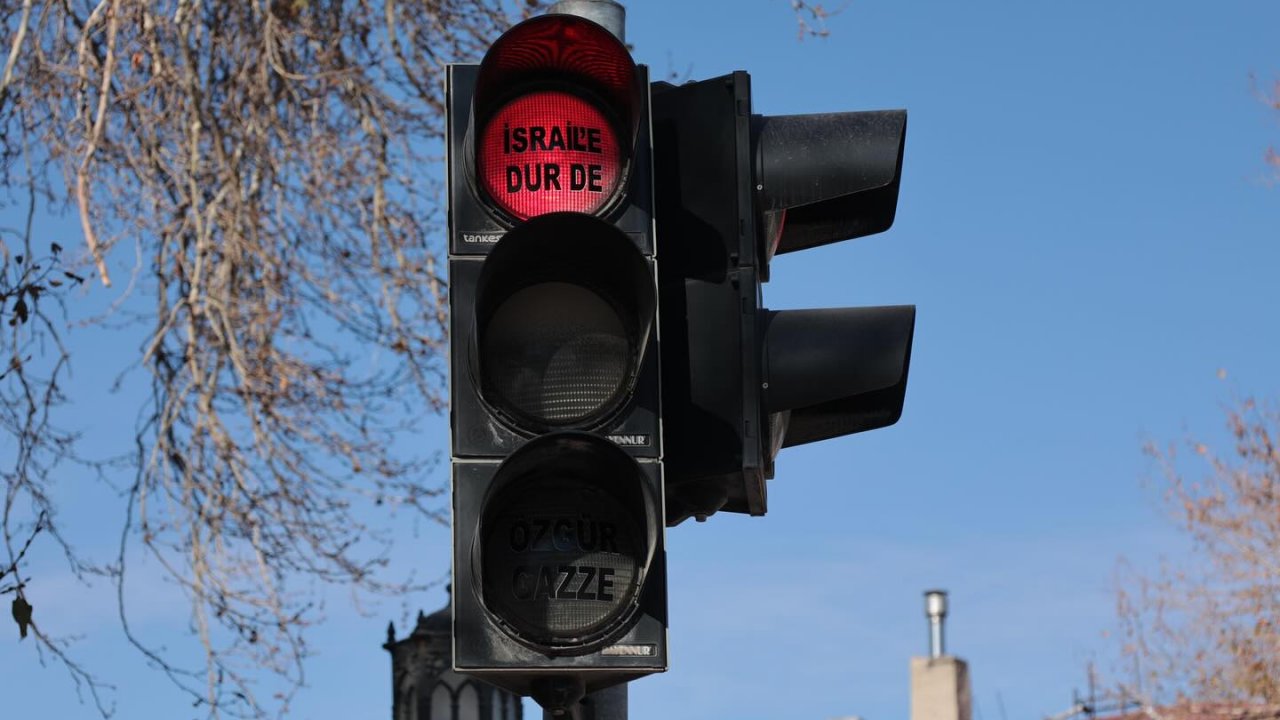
(935, 608)
(607, 704)
(607, 13)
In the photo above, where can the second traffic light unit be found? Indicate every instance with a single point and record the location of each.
(740, 382)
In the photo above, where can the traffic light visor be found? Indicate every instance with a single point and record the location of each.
(828, 177)
(559, 48)
(836, 371)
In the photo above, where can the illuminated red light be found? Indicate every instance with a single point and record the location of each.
(549, 151)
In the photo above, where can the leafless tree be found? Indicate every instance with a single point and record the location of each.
(272, 162)
(1204, 630)
(272, 165)
(1270, 95)
(1207, 626)
(811, 18)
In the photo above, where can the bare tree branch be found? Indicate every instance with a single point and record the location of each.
(266, 171)
(1208, 627)
(272, 160)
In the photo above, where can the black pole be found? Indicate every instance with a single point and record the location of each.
(607, 704)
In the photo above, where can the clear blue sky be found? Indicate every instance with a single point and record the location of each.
(1090, 232)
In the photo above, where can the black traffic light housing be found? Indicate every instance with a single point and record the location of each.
(740, 381)
(559, 562)
(714, 423)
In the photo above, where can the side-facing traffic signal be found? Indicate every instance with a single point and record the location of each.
(559, 573)
(740, 381)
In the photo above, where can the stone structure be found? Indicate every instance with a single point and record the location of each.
(940, 689)
(424, 685)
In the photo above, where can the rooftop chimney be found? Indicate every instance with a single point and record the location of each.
(935, 608)
(939, 682)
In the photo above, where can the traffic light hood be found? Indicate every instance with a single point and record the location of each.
(564, 49)
(828, 177)
(836, 371)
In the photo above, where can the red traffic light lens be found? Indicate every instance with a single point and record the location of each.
(549, 151)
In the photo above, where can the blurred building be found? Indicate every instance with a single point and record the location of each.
(1187, 710)
(424, 685)
(1113, 705)
(939, 682)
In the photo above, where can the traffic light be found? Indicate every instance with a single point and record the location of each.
(588, 213)
(740, 382)
(559, 565)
